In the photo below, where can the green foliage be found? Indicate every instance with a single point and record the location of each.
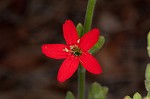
(97, 91)
(79, 28)
(98, 45)
(137, 96)
(147, 76)
(148, 43)
(69, 95)
(146, 98)
(127, 97)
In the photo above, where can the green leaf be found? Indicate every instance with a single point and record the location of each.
(147, 85)
(148, 43)
(79, 28)
(97, 91)
(137, 96)
(147, 80)
(127, 97)
(69, 95)
(98, 45)
(147, 74)
(146, 98)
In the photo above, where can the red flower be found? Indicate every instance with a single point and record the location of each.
(75, 51)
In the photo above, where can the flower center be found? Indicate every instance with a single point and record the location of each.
(74, 49)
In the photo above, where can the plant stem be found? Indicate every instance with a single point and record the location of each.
(89, 16)
(81, 82)
(87, 27)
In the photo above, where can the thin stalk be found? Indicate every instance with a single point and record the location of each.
(81, 82)
(86, 28)
(89, 16)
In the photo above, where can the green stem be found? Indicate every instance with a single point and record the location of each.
(89, 16)
(87, 27)
(81, 82)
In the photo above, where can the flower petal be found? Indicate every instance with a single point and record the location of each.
(70, 33)
(67, 69)
(90, 63)
(89, 39)
(54, 51)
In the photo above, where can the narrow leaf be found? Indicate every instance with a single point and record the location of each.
(79, 28)
(69, 95)
(98, 45)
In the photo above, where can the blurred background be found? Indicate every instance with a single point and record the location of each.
(25, 73)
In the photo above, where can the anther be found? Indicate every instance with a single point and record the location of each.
(78, 41)
(66, 50)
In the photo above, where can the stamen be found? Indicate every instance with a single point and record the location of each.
(78, 41)
(71, 47)
(66, 50)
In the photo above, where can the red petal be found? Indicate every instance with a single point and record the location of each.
(90, 63)
(70, 33)
(67, 69)
(54, 50)
(89, 39)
